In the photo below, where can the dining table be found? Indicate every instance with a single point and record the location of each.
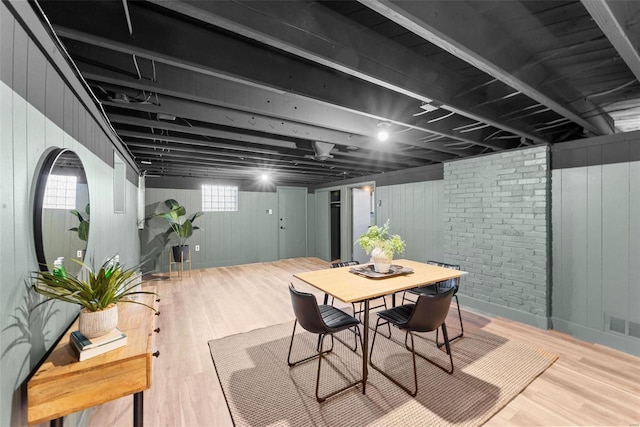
(349, 284)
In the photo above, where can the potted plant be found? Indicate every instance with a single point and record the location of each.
(97, 291)
(181, 225)
(382, 245)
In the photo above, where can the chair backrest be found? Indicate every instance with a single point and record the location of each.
(344, 264)
(451, 283)
(305, 308)
(429, 311)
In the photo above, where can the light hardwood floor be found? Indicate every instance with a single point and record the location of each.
(588, 385)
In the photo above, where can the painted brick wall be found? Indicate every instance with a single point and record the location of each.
(496, 215)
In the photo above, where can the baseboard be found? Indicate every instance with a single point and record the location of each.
(509, 313)
(608, 339)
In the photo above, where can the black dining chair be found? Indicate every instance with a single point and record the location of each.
(357, 312)
(443, 286)
(427, 314)
(322, 320)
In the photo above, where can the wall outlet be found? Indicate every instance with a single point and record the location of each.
(270, 211)
(197, 248)
(79, 254)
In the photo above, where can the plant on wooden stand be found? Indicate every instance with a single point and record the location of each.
(181, 225)
(97, 291)
(382, 245)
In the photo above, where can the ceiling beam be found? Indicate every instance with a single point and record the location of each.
(353, 114)
(620, 22)
(447, 25)
(221, 140)
(183, 48)
(318, 34)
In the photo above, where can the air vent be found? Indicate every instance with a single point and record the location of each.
(617, 325)
(634, 329)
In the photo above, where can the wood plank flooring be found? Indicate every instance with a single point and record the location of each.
(588, 385)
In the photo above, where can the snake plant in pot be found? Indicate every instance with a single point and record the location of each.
(179, 224)
(382, 245)
(96, 290)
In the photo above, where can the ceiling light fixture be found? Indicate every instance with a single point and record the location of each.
(264, 177)
(383, 134)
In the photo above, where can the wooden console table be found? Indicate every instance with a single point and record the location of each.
(63, 385)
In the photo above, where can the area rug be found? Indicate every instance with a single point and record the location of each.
(261, 389)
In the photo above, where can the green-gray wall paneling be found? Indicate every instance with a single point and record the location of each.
(596, 253)
(31, 90)
(414, 212)
(225, 238)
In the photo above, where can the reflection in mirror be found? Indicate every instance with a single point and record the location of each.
(61, 217)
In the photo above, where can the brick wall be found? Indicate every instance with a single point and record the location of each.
(496, 216)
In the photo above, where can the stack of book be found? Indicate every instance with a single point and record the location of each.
(87, 348)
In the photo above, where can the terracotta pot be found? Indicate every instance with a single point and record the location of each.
(381, 263)
(97, 323)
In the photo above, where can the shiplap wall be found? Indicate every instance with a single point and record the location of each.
(38, 112)
(414, 212)
(596, 253)
(225, 238)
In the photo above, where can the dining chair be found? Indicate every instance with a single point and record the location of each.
(443, 286)
(427, 314)
(357, 312)
(322, 320)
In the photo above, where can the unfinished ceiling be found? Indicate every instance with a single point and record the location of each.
(300, 89)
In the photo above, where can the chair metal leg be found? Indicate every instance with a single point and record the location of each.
(319, 398)
(448, 348)
(320, 355)
(415, 372)
(290, 363)
(461, 334)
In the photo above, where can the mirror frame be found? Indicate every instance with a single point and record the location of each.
(41, 185)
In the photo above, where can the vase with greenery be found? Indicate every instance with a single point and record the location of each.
(181, 225)
(381, 245)
(97, 291)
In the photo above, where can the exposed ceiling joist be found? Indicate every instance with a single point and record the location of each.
(448, 24)
(620, 22)
(321, 36)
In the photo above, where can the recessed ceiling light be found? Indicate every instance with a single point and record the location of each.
(264, 177)
(383, 135)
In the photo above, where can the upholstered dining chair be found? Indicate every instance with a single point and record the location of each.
(443, 286)
(427, 314)
(322, 320)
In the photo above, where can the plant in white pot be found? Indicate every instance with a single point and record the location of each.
(181, 225)
(97, 291)
(381, 245)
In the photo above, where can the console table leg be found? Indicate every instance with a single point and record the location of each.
(58, 422)
(138, 412)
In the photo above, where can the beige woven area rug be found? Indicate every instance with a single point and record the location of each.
(261, 390)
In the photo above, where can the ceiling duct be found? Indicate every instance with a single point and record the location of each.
(322, 150)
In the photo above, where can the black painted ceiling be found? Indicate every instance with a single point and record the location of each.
(299, 89)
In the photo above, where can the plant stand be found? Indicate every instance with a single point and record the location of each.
(180, 264)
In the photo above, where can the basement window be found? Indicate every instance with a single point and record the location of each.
(219, 198)
(60, 192)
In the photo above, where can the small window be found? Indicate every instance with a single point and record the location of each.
(219, 198)
(60, 192)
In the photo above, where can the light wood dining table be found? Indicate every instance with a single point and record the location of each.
(349, 287)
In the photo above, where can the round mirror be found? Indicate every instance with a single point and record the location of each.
(61, 212)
